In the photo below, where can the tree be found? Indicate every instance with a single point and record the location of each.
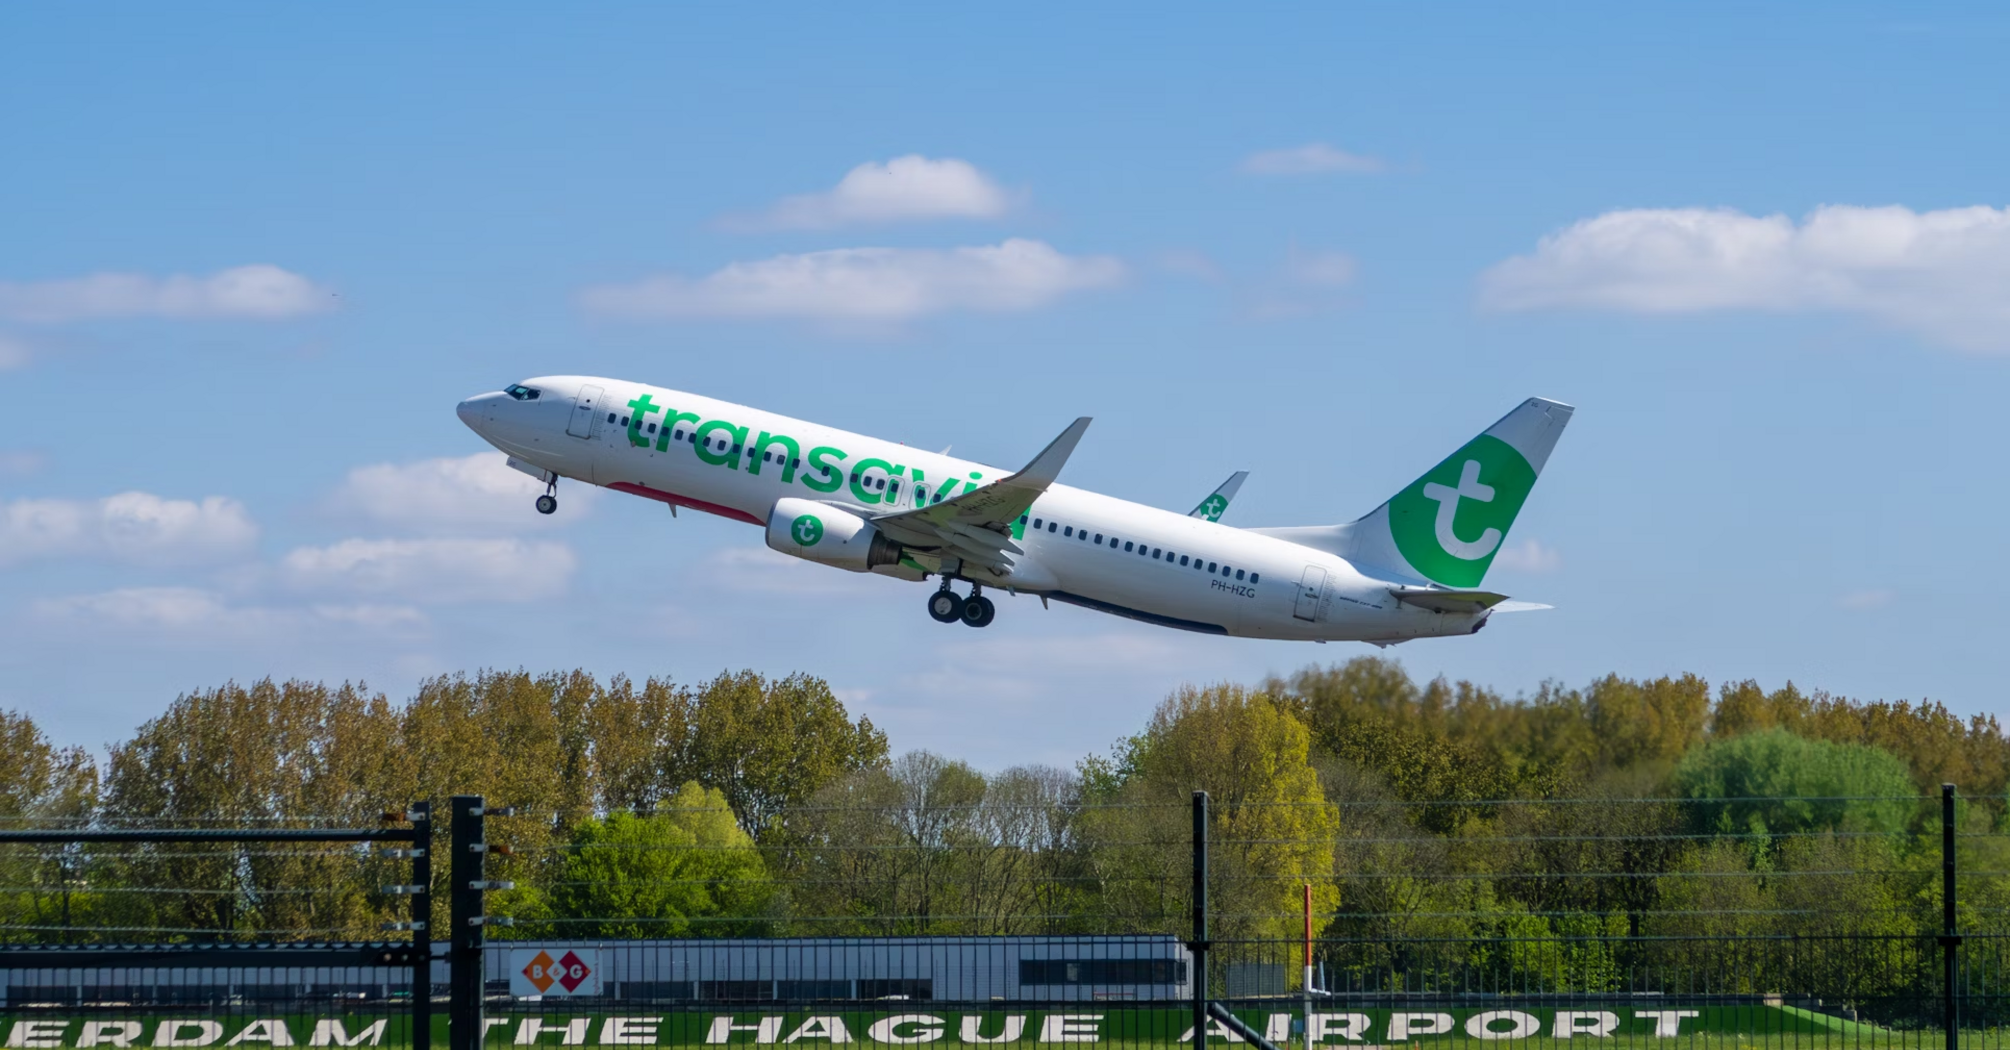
(43, 786)
(686, 868)
(768, 744)
(1272, 830)
(1776, 782)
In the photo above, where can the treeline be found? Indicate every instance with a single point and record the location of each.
(1451, 835)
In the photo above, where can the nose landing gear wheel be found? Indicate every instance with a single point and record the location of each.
(547, 504)
(979, 612)
(946, 606)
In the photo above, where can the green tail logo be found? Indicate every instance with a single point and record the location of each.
(1212, 507)
(1451, 522)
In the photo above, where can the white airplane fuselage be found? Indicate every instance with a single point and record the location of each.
(1077, 546)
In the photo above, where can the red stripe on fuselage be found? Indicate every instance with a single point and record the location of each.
(684, 501)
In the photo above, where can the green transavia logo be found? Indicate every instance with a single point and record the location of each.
(807, 530)
(1450, 522)
(1212, 507)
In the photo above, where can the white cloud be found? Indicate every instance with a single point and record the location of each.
(867, 284)
(1941, 274)
(1314, 159)
(13, 352)
(166, 608)
(1321, 269)
(20, 462)
(1864, 601)
(455, 494)
(258, 291)
(1309, 281)
(1528, 556)
(190, 611)
(132, 526)
(432, 570)
(903, 189)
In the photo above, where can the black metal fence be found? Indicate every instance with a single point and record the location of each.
(1776, 922)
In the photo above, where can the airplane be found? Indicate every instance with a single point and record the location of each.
(1410, 568)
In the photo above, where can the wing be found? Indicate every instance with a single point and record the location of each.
(977, 525)
(1212, 507)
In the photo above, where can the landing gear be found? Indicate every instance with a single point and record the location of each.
(946, 606)
(548, 503)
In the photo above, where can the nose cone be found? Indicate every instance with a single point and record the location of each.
(475, 412)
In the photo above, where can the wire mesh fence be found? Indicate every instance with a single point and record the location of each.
(1767, 921)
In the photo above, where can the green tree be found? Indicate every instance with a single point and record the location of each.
(44, 786)
(684, 869)
(1273, 829)
(1776, 782)
(768, 744)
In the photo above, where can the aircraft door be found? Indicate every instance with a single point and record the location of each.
(584, 408)
(1309, 587)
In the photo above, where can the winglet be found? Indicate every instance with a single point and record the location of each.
(1047, 465)
(1212, 507)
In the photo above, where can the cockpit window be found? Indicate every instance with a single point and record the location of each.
(521, 393)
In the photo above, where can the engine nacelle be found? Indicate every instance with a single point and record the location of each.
(824, 534)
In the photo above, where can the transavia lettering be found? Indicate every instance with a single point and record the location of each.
(948, 1027)
(723, 443)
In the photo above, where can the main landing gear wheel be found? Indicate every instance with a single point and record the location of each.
(979, 612)
(946, 606)
(547, 503)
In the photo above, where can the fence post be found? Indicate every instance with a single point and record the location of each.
(1950, 941)
(465, 1027)
(1199, 943)
(422, 925)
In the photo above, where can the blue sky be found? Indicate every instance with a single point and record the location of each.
(252, 256)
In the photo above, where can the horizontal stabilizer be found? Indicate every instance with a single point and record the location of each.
(1448, 601)
(1521, 607)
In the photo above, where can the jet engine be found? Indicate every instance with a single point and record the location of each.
(824, 534)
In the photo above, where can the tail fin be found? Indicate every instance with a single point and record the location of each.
(1216, 503)
(1447, 526)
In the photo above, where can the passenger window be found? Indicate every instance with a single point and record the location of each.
(1155, 553)
(1127, 546)
(694, 438)
(795, 463)
(652, 428)
(1022, 519)
(1071, 531)
(1255, 576)
(624, 421)
(736, 448)
(610, 417)
(1038, 524)
(1099, 539)
(1182, 561)
(1238, 574)
(893, 489)
(1210, 566)
(1051, 526)
(678, 434)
